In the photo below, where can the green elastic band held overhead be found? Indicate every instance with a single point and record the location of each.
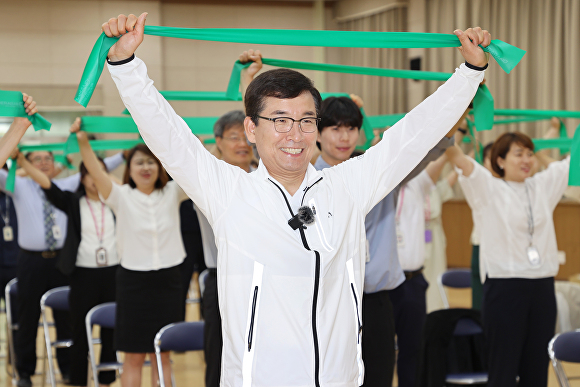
(12, 105)
(574, 176)
(506, 55)
(538, 113)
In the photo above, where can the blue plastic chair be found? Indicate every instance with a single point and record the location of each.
(56, 299)
(181, 337)
(564, 347)
(102, 315)
(453, 278)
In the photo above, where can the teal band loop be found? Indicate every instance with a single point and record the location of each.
(12, 105)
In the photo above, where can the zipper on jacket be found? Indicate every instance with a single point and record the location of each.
(251, 332)
(314, 329)
(316, 283)
(357, 315)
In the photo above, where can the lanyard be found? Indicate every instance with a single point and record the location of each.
(428, 207)
(6, 217)
(529, 211)
(101, 237)
(400, 204)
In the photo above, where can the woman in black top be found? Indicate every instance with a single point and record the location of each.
(90, 260)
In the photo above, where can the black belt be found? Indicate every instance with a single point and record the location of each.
(44, 254)
(411, 274)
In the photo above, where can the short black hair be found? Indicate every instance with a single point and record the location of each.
(278, 83)
(338, 111)
(501, 147)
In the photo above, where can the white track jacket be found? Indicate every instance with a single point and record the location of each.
(290, 300)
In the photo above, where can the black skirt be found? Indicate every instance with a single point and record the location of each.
(146, 302)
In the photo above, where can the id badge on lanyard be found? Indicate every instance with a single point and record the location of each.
(8, 233)
(533, 256)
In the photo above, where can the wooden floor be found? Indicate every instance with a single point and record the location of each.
(189, 367)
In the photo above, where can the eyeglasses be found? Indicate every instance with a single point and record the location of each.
(285, 124)
(39, 160)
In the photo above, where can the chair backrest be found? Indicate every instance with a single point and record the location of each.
(467, 327)
(565, 347)
(453, 278)
(457, 278)
(56, 298)
(201, 279)
(182, 337)
(103, 315)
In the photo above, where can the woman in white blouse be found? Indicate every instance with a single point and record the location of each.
(518, 253)
(150, 249)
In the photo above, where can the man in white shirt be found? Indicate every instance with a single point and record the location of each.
(291, 240)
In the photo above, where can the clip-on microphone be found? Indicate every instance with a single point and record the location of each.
(303, 217)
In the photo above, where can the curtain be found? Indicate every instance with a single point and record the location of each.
(546, 78)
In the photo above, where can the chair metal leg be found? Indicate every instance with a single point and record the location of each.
(159, 368)
(560, 374)
(48, 345)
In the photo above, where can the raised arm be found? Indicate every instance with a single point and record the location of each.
(17, 129)
(458, 159)
(543, 156)
(249, 73)
(435, 167)
(36, 174)
(208, 181)
(94, 167)
(452, 178)
(371, 177)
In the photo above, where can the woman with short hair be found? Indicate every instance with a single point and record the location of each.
(519, 255)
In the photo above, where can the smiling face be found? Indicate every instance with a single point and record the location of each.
(518, 163)
(285, 155)
(144, 171)
(234, 147)
(337, 143)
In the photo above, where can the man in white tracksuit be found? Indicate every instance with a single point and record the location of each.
(289, 280)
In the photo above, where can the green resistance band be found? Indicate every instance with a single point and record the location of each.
(201, 126)
(70, 146)
(574, 176)
(483, 102)
(483, 99)
(11, 105)
(507, 56)
(234, 83)
(538, 113)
